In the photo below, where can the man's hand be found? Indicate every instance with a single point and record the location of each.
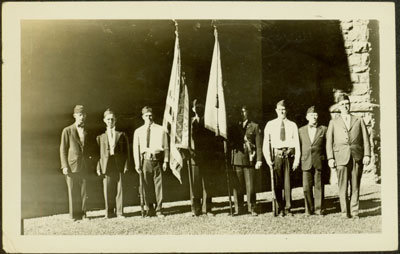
(165, 166)
(98, 172)
(65, 171)
(125, 170)
(138, 170)
(332, 163)
(295, 165)
(258, 164)
(366, 160)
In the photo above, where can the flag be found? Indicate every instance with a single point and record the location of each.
(214, 113)
(176, 114)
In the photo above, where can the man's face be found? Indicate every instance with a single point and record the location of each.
(79, 118)
(110, 120)
(245, 114)
(312, 118)
(148, 118)
(344, 106)
(281, 111)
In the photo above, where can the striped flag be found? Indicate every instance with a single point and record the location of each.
(176, 114)
(215, 114)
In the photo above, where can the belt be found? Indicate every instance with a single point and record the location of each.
(152, 156)
(284, 152)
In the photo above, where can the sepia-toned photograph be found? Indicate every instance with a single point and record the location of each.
(197, 128)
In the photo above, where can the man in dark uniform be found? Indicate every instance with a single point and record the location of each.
(114, 158)
(199, 166)
(75, 155)
(312, 142)
(246, 154)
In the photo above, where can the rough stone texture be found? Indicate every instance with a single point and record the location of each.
(357, 46)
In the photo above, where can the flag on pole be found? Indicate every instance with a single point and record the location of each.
(176, 114)
(214, 113)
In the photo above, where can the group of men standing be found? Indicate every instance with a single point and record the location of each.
(343, 145)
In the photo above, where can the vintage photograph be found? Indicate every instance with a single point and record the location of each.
(174, 126)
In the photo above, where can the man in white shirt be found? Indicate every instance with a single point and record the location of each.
(348, 150)
(113, 162)
(313, 161)
(75, 155)
(281, 149)
(151, 153)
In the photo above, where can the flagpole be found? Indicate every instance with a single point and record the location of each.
(218, 132)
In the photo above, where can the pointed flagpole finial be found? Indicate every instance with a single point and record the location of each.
(214, 24)
(176, 26)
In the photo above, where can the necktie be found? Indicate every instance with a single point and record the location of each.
(148, 137)
(283, 134)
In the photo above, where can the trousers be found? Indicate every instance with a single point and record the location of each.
(152, 184)
(313, 201)
(282, 173)
(244, 179)
(199, 184)
(76, 184)
(112, 187)
(349, 174)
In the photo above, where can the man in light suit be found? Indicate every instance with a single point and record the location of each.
(113, 162)
(246, 154)
(75, 155)
(313, 159)
(348, 149)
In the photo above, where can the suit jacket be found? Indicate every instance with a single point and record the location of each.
(73, 154)
(241, 152)
(121, 151)
(313, 153)
(341, 143)
(201, 140)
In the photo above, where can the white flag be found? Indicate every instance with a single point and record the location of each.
(215, 114)
(176, 114)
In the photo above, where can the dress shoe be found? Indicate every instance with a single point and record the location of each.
(209, 214)
(320, 213)
(356, 217)
(345, 215)
(121, 216)
(85, 217)
(282, 213)
(254, 213)
(160, 215)
(288, 213)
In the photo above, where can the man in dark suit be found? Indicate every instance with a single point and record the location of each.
(348, 149)
(114, 159)
(246, 154)
(75, 162)
(199, 165)
(313, 142)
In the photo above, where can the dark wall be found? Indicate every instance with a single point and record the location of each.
(126, 64)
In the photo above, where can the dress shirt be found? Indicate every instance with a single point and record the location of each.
(311, 132)
(158, 142)
(346, 120)
(244, 123)
(272, 135)
(111, 139)
(80, 133)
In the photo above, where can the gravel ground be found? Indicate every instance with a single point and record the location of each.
(179, 221)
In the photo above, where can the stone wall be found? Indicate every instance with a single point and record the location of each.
(356, 37)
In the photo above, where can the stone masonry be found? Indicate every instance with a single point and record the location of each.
(358, 47)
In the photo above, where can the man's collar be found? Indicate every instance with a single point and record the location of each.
(77, 126)
(111, 129)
